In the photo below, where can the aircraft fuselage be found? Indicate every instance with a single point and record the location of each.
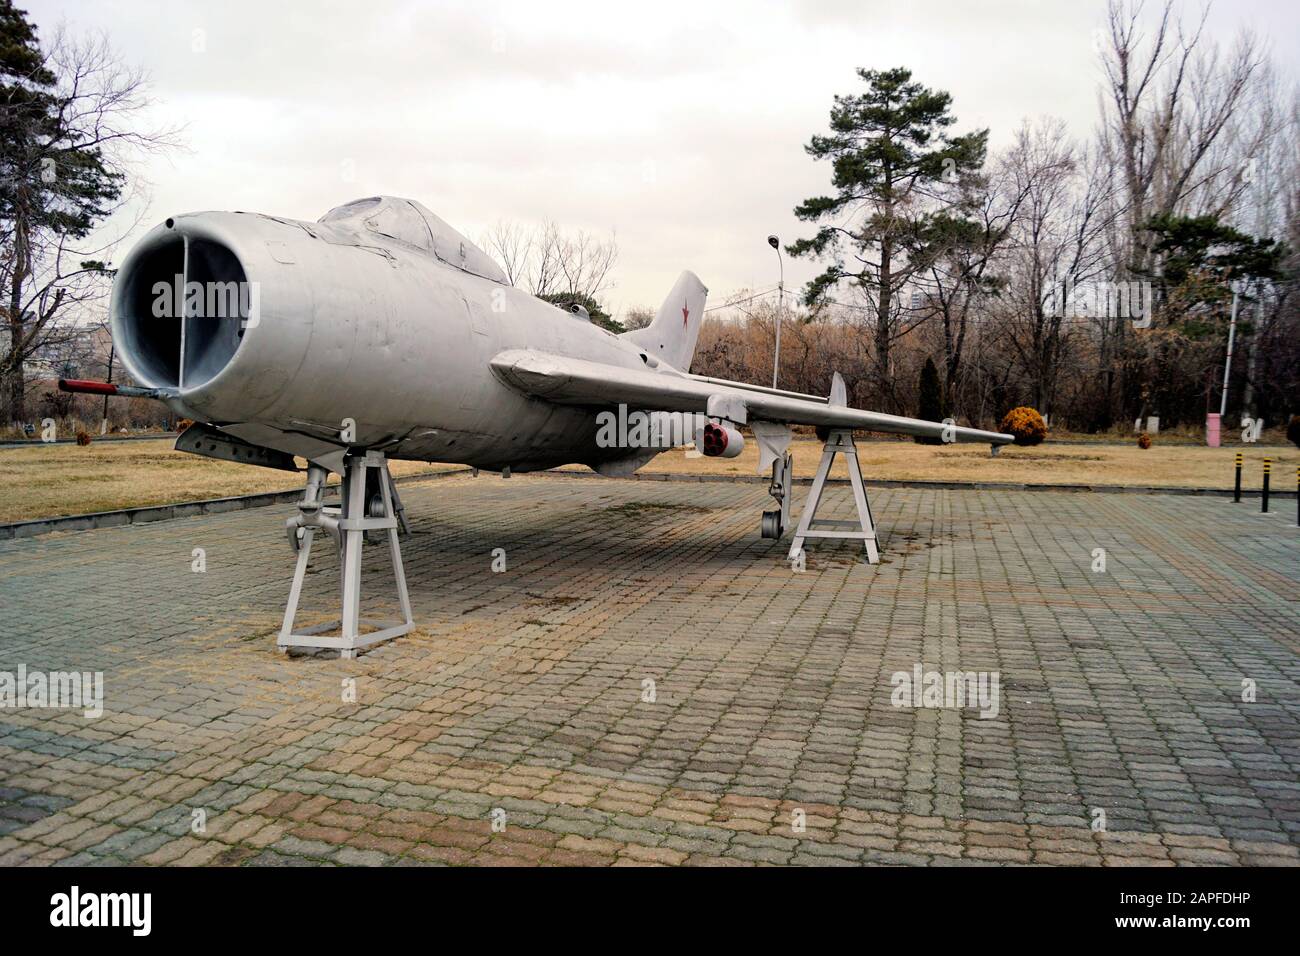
(353, 328)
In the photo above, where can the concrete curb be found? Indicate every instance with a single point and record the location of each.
(95, 439)
(1165, 443)
(188, 509)
(184, 509)
(950, 485)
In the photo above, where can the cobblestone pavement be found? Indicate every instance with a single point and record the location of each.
(521, 699)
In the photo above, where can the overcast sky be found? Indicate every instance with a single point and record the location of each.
(680, 126)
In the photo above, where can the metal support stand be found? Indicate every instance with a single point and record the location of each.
(781, 488)
(380, 511)
(810, 526)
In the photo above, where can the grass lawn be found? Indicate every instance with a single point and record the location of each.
(1175, 466)
(47, 480)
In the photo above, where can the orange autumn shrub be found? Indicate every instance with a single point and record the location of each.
(1025, 424)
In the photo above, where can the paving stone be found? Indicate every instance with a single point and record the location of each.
(522, 691)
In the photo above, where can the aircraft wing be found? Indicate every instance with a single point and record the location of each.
(572, 381)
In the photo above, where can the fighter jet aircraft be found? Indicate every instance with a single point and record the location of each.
(380, 332)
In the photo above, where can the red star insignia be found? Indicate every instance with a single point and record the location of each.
(686, 313)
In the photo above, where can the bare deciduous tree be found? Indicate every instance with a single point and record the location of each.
(511, 245)
(637, 317)
(1060, 198)
(546, 261)
(1169, 101)
(71, 150)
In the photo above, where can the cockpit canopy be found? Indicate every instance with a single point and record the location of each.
(411, 224)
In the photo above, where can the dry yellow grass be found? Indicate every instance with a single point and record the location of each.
(47, 480)
(1172, 466)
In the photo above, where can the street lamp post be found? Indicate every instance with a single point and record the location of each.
(775, 243)
(1227, 365)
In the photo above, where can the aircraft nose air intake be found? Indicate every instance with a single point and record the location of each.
(181, 306)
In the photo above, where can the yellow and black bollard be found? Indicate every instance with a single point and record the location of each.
(1236, 488)
(1268, 466)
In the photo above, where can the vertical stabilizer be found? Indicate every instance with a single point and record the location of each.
(672, 335)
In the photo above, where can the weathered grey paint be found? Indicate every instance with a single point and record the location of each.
(383, 315)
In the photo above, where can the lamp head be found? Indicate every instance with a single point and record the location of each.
(773, 241)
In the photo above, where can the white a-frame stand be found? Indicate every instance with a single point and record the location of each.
(379, 510)
(810, 526)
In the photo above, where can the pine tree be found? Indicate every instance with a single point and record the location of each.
(894, 169)
(55, 185)
(595, 311)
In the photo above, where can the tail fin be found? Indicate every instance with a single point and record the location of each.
(671, 336)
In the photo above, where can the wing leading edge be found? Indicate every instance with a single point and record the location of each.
(571, 381)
